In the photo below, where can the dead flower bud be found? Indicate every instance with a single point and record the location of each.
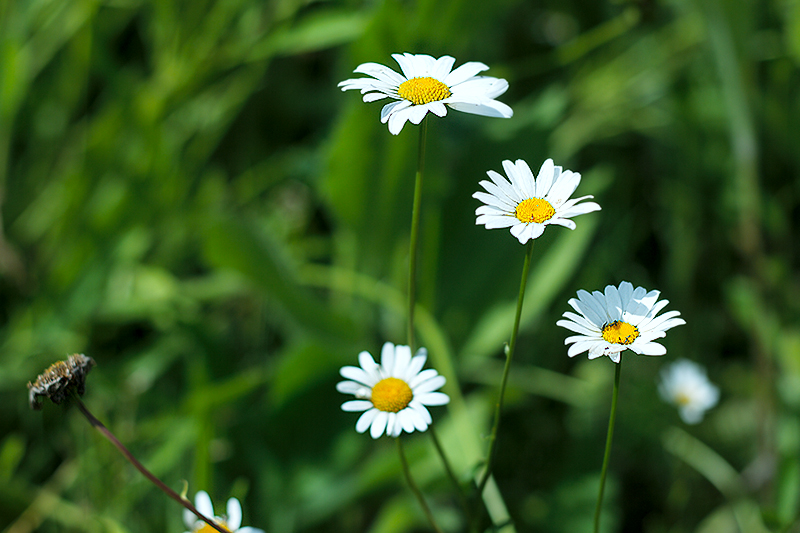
(60, 380)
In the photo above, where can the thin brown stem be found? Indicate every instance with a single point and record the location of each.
(140, 467)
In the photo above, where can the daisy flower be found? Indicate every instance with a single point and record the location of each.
(623, 318)
(685, 385)
(526, 203)
(393, 394)
(231, 522)
(428, 84)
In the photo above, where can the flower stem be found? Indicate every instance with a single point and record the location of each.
(140, 467)
(414, 238)
(461, 495)
(509, 356)
(413, 486)
(607, 454)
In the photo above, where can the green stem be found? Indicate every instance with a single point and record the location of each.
(413, 486)
(414, 238)
(607, 454)
(99, 426)
(450, 473)
(509, 356)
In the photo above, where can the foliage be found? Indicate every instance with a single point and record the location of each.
(189, 199)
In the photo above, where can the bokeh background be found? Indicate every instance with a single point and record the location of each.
(188, 198)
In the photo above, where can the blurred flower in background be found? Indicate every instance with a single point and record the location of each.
(621, 319)
(526, 203)
(393, 394)
(685, 385)
(427, 84)
(231, 521)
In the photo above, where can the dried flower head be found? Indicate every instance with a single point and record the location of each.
(60, 380)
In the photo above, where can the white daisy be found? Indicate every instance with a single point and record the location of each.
(685, 385)
(393, 395)
(231, 522)
(623, 318)
(527, 204)
(427, 84)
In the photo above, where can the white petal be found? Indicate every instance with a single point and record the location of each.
(349, 387)
(387, 359)
(505, 186)
(544, 180)
(432, 384)
(402, 358)
(577, 328)
(421, 410)
(391, 108)
(397, 120)
(355, 374)
(651, 348)
(442, 69)
(490, 108)
(365, 420)
(407, 65)
(234, 514)
(353, 406)
(496, 221)
(433, 398)
(464, 72)
(422, 377)
(405, 419)
(379, 424)
(374, 97)
(393, 427)
(437, 108)
(417, 113)
(380, 72)
(613, 301)
(202, 501)
(369, 366)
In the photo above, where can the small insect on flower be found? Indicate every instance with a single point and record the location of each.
(621, 318)
(60, 380)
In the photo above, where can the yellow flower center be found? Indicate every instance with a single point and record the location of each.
(391, 395)
(619, 332)
(423, 90)
(682, 399)
(208, 529)
(534, 210)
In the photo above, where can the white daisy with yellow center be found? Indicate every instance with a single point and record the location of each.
(393, 395)
(526, 203)
(429, 84)
(621, 318)
(685, 385)
(230, 522)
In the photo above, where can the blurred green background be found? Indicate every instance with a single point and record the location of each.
(188, 198)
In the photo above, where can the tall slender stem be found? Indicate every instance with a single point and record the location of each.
(450, 473)
(413, 486)
(414, 238)
(140, 467)
(509, 356)
(607, 454)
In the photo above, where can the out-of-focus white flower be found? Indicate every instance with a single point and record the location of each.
(429, 84)
(231, 521)
(685, 385)
(620, 319)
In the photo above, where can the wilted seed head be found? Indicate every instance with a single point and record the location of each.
(60, 380)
